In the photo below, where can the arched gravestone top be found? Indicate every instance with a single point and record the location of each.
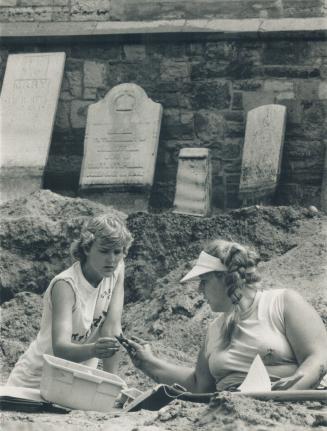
(262, 153)
(121, 141)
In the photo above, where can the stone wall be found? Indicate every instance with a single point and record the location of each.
(205, 88)
(134, 10)
(205, 82)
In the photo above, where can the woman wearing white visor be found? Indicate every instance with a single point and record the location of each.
(277, 324)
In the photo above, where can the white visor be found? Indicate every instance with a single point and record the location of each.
(205, 263)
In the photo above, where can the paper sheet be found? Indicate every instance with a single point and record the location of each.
(257, 379)
(21, 392)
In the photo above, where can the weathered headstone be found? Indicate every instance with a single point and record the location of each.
(323, 199)
(262, 154)
(120, 148)
(28, 104)
(193, 185)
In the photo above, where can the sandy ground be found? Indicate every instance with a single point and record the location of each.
(292, 242)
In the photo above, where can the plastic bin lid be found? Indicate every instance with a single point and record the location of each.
(83, 370)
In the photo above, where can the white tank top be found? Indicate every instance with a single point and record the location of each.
(89, 311)
(262, 333)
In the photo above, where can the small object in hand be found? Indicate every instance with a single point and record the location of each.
(125, 343)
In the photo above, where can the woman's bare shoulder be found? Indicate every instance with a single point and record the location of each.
(62, 290)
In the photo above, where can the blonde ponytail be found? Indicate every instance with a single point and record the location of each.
(241, 263)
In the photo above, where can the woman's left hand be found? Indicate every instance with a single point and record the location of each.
(286, 382)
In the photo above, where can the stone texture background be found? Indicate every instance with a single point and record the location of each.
(134, 10)
(206, 86)
(206, 89)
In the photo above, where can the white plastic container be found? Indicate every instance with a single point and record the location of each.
(77, 386)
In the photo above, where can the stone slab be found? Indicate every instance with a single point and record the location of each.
(28, 106)
(194, 182)
(222, 26)
(262, 154)
(121, 142)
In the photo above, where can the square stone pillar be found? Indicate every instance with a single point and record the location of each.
(194, 182)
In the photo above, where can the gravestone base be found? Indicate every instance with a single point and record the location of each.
(128, 202)
(18, 182)
(265, 196)
(254, 199)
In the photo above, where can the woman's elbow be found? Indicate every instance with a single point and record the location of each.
(199, 385)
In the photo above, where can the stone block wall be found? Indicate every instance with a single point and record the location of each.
(206, 89)
(135, 10)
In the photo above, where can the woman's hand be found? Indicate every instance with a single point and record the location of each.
(105, 347)
(140, 352)
(286, 382)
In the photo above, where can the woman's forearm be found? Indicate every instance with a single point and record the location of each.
(163, 372)
(75, 352)
(111, 364)
(313, 370)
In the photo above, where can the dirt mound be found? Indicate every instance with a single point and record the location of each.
(36, 234)
(46, 204)
(227, 410)
(20, 322)
(228, 413)
(304, 267)
(164, 241)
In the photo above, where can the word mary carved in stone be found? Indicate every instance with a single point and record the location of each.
(193, 187)
(120, 148)
(28, 104)
(263, 146)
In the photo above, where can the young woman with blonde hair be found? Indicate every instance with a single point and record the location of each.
(82, 306)
(277, 324)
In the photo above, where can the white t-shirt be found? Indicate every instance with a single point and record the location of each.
(261, 331)
(89, 312)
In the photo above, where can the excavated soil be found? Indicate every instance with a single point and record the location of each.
(35, 237)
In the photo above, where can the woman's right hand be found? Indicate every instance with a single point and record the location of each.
(140, 352)
(105, 347)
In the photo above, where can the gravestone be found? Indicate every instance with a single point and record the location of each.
(120, 148)
(262, 154)
(323, 199)
(28, 104)
(193, 185)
